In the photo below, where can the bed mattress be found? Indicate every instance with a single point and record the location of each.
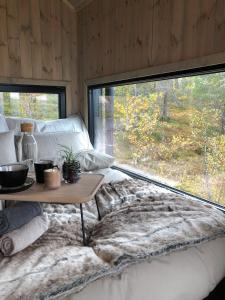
(188, 275)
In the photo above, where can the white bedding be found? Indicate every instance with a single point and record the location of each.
(188, 275)
(111, 175)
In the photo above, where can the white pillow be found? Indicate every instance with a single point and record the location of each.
(92, 160)
(3, 125)
(49, 143)
(7, 148)
(14, 123)
(71, 124)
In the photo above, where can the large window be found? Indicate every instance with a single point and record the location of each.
(171, 130)
(37, 102)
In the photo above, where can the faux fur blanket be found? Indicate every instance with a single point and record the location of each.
(153, 226)
(139, 223)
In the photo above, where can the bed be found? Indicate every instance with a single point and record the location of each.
(190, 273)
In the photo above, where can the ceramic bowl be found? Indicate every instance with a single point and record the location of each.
(13, 175)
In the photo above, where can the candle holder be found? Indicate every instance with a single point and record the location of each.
(52, 178)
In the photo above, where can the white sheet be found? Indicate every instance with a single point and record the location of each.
(111, 175)
(188, 275)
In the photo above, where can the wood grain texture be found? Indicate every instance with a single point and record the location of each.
(25, 38)
(80, 192)
(3, 38)
(67, 43)
(13, 32)
(56, 38)
(118, 36)
(46, 39)
(78, 4)
(36, 43)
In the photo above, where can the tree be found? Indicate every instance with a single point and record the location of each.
(209, 91)
(137, 118)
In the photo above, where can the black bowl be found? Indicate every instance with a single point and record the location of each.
(13, 175)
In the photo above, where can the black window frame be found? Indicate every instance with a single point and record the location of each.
(22, 88)
(156, 77)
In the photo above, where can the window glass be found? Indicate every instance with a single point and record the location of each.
(171, 130)
(30, 105)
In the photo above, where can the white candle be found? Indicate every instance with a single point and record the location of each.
(52, 178)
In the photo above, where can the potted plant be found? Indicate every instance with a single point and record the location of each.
(71, 166)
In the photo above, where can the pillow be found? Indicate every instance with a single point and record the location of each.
(71, 124)
(92, 160)
(49, 143)
(14, 123)
(3, 125)
(7, 148)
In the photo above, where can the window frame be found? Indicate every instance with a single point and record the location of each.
(156, 77)
(21, 88)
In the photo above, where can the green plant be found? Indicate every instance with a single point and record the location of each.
(71, 166)
(66, 153)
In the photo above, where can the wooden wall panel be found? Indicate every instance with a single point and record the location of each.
(13, 31)
(37, 44)
(46, 39)
(56, 38)
(25, 38)
(118, 36)
(218, 40)
(67, 43)
(36, 39)
(3, 38)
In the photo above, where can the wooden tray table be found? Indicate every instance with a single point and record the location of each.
(80, 192)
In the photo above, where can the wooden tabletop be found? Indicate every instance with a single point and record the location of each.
(80, 192)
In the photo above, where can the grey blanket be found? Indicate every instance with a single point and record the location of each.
(138, 225)
(21, 213)
(154, 225)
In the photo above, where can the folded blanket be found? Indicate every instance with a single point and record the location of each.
(12, 218)
(21, 238)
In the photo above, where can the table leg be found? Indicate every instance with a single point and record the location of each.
(99, 215)
(82, 224)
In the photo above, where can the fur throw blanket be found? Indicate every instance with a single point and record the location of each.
(153, 226)
(139, 224)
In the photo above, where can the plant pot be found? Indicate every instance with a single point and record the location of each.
(71, 171)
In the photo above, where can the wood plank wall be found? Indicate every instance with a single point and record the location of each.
(117, 36)
(38, 45)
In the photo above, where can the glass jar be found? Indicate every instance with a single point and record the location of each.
(28, 146)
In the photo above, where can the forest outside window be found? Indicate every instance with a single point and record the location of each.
(171, 130)
(43, 103)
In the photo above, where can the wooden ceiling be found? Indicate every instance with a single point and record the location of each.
(78, 4)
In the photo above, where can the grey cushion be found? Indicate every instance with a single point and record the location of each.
(92, 160)
(3, 125)
(49, 143)
(7, 148)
